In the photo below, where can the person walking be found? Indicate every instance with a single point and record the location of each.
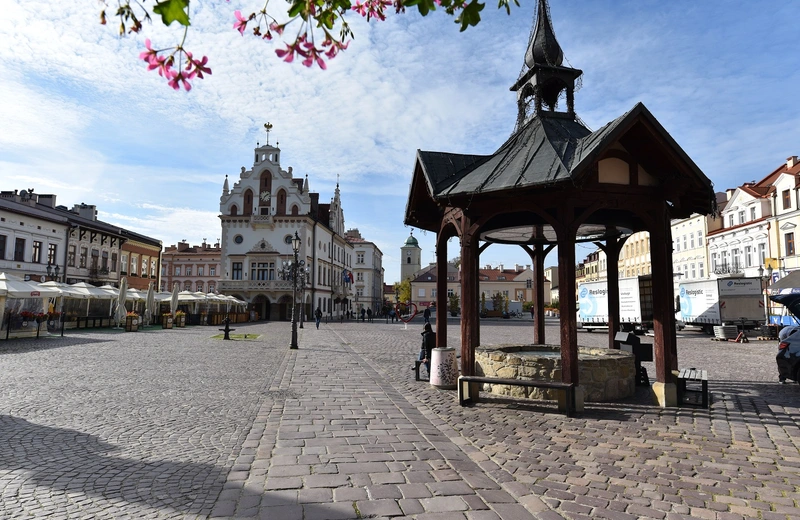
(427, 315)
(533, 313)
(318, 315)
(363, 315)
(369, 315)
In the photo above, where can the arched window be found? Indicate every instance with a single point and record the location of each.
(234, 210)
(248, 203)
(187, 286)
(280, 209)
(266, 181)
(295, 209)
(199, 286)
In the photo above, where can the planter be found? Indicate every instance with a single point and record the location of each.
(180, 321)
(131, 323)
(166, 322)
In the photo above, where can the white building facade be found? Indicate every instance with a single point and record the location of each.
(260, 215)
(367, 271)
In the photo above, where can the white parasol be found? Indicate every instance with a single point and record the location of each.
(121, 310)
(150, 307)
(173, 303)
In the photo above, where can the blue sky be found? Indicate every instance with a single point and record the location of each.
(82, 118)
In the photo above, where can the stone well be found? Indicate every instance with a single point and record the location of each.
(604, 374)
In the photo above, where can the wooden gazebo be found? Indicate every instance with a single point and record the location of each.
(553, 183)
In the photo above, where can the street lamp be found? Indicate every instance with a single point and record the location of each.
(765, 277)
(295, 272)
(52, 271)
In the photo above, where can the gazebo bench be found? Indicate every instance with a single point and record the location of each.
(464, 398)
(693, 375)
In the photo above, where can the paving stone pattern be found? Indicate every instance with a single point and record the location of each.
(174, 424)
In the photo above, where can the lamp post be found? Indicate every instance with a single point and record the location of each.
(765, 276)
(52, 271)
(295, 272)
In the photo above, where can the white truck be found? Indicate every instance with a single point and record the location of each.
(635, 304)
(725, 301)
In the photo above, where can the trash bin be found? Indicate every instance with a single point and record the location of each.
(444, 368)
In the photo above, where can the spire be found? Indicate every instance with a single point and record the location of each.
(225, 188)
(544, 48)
(543, 78)
(305, 185)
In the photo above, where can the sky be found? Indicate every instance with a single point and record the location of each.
(81, 117)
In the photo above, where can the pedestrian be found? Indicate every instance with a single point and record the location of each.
(363, 314)
(369, 315)
(426, 349)
(392, 315)
(318, 315)
(533, 314)
(427, 315)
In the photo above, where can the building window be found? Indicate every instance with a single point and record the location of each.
(113, 262)
(134, 265)
(359, 277)
(741, 217)
(787, 199)
(212, 271)
(433, 293)
(677, 244)
(421, 293)
(789, 244)
(684, 242)
(152, 268)
(691, 240)
(144, 266)
(694, 273)
(105, 260)
(123, 269)
(748, 256)
(236, 273)
(51, 254)
(762, 253)
(95, 258)
(702, 270)
(84, 255)
(360, 258)
(36, 256)
(714, 261)
(753, 213)
(730, 220)
(187, 285)
(450, 293)
(19, 250)
(735, 259)
(177, 270)
(188, 270)
(262, 271)
(212, 287)
(2, 247)
(200, 271)
(199, 286)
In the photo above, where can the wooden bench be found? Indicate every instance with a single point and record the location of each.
(465, 398)
(693, 375)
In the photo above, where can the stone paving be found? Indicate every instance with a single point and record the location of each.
(174, 424)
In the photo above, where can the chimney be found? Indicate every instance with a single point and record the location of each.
(791, 161)
(729, 193)
(500, 267)
(48, 200)
(183, 245)
(87, 211)
(527, 266)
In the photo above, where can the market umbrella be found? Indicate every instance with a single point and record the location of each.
(151, 304)
(121, 311)
(173, 303)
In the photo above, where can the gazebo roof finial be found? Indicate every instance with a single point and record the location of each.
(544, 48)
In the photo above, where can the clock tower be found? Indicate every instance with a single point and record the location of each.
(410, 258)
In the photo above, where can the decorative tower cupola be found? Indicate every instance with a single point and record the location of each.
(543, 79)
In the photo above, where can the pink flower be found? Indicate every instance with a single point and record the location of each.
(179, 78)
(287, 54)
(196, 68)
(149, 55)
(241, 22)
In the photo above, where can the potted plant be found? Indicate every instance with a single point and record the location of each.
(454, 301)
(166, 321)
(26, 317)
(180, 319)
(131, 322)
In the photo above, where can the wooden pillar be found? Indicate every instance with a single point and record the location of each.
(665, 350)
(441, 290)
(568, 314)
(612, 248)
(469, 298)
(538, 295)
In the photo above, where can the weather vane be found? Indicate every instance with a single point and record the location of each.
(267, 127)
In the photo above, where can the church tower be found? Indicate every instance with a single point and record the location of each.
(410, 258)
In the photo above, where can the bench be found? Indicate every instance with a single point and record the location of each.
(417, 364)
(96, 322)
(465, 398)
(693, 375)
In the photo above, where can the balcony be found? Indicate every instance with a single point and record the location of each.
(255, 285)
(261, 220)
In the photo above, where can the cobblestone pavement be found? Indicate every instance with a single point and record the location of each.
(174, 424)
